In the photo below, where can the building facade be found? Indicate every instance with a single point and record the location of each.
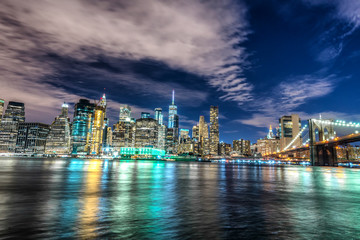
(214, 130)
(242, 147)
(225, 149)
(159, 116)
(289, 127)
(95, 142)
(269, 145)
(146, 133)
(13, 116)
(59, 137)
(31, 137)
(81, 126)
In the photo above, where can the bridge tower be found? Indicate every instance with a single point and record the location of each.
(324, 154)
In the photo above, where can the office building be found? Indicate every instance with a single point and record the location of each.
(82, 125)
(159, 116)
(242, 147)
(31, 137)
(59, 137)
(95, 142)
(269, 145)
(146, 133)
(186, 145)
(161, 137)
(123, 134)
(214, 130)
(14, 114)
(289, 127)
(225, 149)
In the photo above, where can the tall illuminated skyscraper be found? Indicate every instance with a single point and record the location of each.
(173, 117)
(94, 144)
(14, 115)
(81, 126)
(159, 115)
(172, 134)
(214, 130)
(58, 139)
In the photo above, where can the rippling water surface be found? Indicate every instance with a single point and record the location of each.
(175, 200)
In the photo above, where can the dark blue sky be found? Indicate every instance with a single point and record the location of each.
(257, 60)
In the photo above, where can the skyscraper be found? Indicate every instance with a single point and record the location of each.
(173, 117)
(214, 130)
(289, 127)
(94, 143)
(81, 127)
(201, 136)
(58, 139)
(2, 105)
(14, 114)
(172, 133)
(159, 115)
(124, 130)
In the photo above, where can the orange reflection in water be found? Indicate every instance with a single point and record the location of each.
(89, 212)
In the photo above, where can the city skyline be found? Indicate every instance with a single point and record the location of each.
(260, 73)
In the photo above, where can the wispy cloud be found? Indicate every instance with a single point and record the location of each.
(288, 96)
(331, 42)
(200, 37)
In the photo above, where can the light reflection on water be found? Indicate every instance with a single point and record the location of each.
(77, 198)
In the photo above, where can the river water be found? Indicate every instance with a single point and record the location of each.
(73, 198)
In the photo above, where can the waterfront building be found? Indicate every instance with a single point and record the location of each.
(31, 137)
(14, 114)
(95, 142)
(146, 133)
(142, 152)
(204, 142)
(186, 145)
(242, 147)
(269, 145)
(159, 116)
(81, 126)
(59, 137)
(225, 149)
(2, 105)
(172, 140)
(123, 134)
(161, 137)
(289, 127)
(145, 115)
(214, 130)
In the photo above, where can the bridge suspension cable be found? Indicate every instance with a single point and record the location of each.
(296, 137)
(340, 123)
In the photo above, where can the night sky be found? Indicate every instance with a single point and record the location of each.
(257, 60)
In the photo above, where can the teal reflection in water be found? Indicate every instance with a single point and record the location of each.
(75, 198)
